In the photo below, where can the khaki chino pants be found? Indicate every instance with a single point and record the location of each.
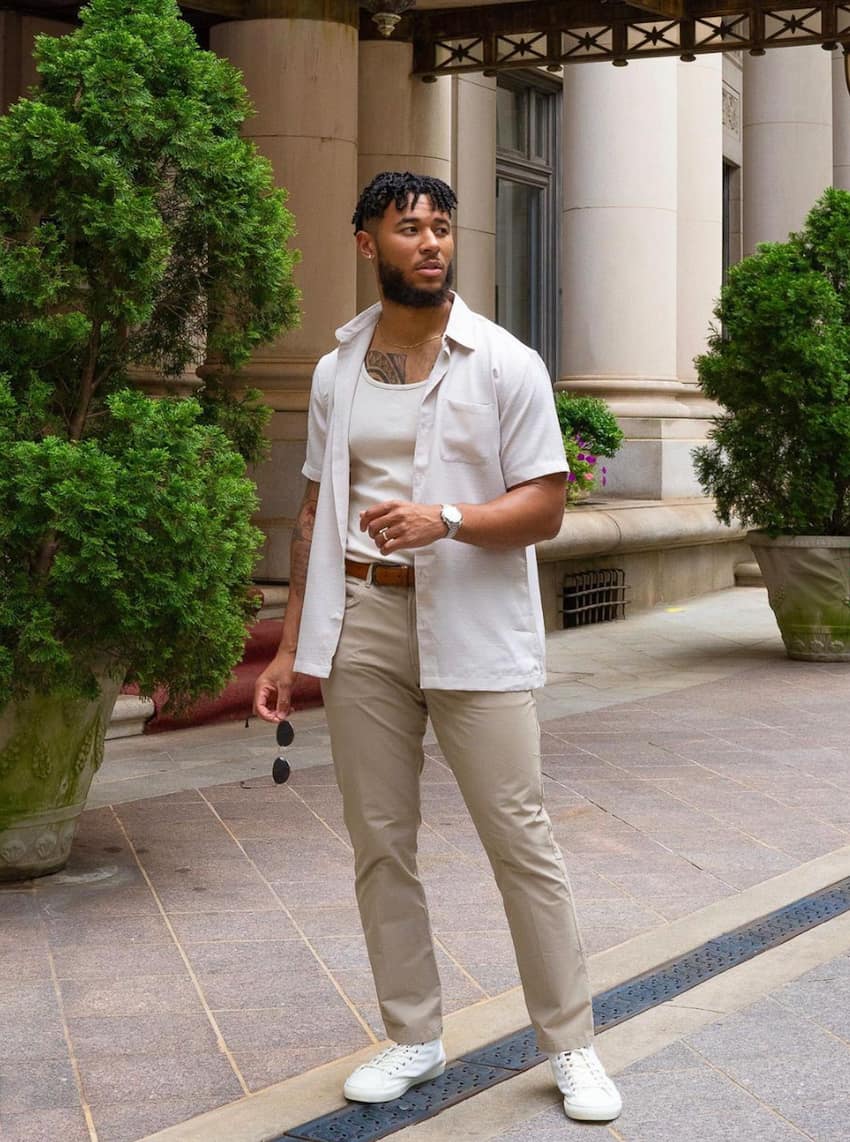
(377, 717)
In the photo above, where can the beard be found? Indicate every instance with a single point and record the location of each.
(397, 290)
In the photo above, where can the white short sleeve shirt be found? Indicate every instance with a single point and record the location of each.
(487, 423)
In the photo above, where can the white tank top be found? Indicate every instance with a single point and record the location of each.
(381, 442)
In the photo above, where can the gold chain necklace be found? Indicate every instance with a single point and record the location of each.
(416, 344)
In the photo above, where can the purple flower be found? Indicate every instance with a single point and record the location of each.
(580, 456)
(571, 476)
(604, 470)
(604, 481)
(590, 459)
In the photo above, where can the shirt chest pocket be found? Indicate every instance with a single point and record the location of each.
(469, 433)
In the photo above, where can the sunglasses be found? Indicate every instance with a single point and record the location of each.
(281, 769)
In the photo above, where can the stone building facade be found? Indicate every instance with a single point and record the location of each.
(599, 207)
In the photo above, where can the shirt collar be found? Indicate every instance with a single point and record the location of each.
(460, 327)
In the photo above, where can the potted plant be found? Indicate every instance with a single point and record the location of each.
(590, 432)
(779, 453)
(136, 227)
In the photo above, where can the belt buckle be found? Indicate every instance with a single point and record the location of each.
(370, 572)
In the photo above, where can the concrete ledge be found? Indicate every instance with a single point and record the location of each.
(619, 527)
(275, 596)
(129, 715)
(748, 575)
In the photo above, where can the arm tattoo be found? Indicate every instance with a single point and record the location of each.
(388, 368)
(302, 538)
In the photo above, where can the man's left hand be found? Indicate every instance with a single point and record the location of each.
(395, 525)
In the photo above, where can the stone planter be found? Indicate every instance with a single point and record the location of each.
(808, 586)
(50, 749)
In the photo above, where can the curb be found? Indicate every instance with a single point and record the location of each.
(265, 1116)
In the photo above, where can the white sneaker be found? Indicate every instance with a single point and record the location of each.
(589, 1095)
(394, 1071)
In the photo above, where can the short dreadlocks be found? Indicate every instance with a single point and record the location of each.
(397, 187)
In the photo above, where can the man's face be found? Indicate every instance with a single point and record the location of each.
(414, 248)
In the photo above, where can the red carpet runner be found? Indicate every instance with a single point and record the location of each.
(236, 700)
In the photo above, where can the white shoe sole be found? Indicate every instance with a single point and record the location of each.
(353, 1095)
(589, 1114)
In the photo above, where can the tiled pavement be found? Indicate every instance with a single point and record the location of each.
(204, 943)
(777, 1071)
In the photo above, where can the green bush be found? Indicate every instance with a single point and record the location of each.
(136, 228)
(152, 550)
(590, 431)
(779, 365)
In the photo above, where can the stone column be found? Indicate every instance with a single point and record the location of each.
(403, 124)
(699, 253)
(299, 62)
(787, 140)
(10, 59)
(620, 240)
(840, 124)
(733, 149)
(17, 43)
(474, 98)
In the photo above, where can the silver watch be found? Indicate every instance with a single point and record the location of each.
(452, 517)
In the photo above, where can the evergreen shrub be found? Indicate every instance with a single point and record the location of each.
(778, 363)
(137, 228)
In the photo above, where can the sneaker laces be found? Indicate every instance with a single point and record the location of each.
(393, 1058)
(581, 1067)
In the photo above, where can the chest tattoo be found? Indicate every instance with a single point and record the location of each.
(389, 368)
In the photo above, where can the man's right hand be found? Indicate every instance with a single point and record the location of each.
(273, 689)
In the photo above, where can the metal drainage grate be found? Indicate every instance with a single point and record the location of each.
(478, 1070)
(362, 1122)
(594, 597)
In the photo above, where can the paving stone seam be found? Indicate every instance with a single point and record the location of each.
(72, 1056)
(485, 994)
(196, 983)
(373, 1038)
(501, 1060)
(770, 796)
(463, 971)
(845, 1042)
(751, 1094)
(344, 840)
(683, 800)
(272, 1102)
(707, 811)
(509, 1105)
(624, 888)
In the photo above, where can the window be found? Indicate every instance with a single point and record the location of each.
(527, 110)
(731, 216)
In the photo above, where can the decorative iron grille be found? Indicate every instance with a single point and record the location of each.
(540, 33)
(598, 596)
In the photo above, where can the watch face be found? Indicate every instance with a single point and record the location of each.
(451, 514)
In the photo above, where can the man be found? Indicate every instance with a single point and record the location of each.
(434, 463)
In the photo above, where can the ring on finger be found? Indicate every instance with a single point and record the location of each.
(385, 534)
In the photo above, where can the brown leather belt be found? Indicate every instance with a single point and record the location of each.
(382, 574)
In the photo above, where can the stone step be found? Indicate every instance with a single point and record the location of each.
(275, 596)
(748, 575)
(129, 715)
